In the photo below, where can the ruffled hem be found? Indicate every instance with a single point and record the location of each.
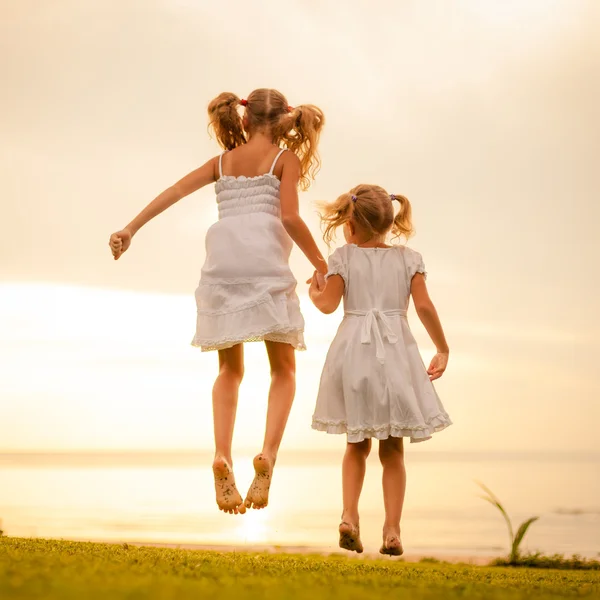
(294, 338)
(382, 432)
(223, 321)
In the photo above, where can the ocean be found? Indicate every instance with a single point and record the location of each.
(169, 498)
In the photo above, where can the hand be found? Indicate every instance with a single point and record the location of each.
(321, 281)
(438, 365)
(119, 242)
(317, 282)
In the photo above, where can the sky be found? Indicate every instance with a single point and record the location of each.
(483, 113)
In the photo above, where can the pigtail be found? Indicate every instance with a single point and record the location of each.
(335, 214)
(402, 225)
(266, 109)
(300, 130)
(226, 121)
(371, 209)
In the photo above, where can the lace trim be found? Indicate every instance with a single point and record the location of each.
(244, 178)
(293, 337)
(417, 433)
(285, 339)
(379, 428)
(337, 272)
(420, 270)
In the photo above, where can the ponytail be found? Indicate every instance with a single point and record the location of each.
(226, 121)
(402, 225)
(335, 214)
(300, 130)
(371, 209)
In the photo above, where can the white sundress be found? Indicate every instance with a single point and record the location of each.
(374, 383)
(247, 291)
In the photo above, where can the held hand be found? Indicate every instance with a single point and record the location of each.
(321, 280)
(119, 242)
(313, 288)
(438, 365)
(317, 282)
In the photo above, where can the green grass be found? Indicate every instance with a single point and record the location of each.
(555, 561)
(35, 569)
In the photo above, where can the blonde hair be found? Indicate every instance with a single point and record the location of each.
(298, 128)
(371, 208)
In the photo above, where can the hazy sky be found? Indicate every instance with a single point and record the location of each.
(484, 113)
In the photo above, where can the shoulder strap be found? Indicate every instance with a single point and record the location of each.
(276, 159)
(221, 164)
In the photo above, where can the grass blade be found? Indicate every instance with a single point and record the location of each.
(493, 499)
(514, 554)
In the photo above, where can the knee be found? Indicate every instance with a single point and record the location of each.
(285, 371)
(391, 451)
(233, 372)
(359, 449)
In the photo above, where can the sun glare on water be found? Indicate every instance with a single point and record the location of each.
(254, 527)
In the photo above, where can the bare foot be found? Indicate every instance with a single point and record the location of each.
(258, 494)
(350, 537)
(392, 545)
(228, 497)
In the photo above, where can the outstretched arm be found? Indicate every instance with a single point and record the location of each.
(121, 240)
(290, 215)
(429, 317)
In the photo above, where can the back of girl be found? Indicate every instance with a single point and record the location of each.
(374, 383)
(247, 291)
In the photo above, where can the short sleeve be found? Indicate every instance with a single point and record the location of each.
(338, 265)
(414, 264)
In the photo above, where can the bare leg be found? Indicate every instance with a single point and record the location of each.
(353, 475)
(281, 396)
(391, 454)
(225, 397)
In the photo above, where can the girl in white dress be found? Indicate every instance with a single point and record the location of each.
(247, 291)
(374, 383)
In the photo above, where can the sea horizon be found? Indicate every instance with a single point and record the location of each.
(167, 497)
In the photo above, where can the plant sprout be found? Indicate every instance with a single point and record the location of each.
(515, 539)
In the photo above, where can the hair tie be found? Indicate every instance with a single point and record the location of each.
(354, 198)
(290, 108)
(393, 197)
(244, 102)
